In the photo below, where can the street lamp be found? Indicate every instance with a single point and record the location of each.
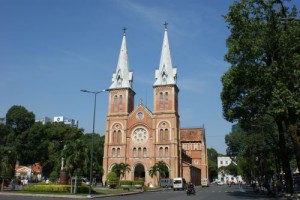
(92, 148)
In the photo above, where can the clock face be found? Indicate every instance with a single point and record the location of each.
(139, 136)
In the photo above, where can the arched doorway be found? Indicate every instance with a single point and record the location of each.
(139, 172)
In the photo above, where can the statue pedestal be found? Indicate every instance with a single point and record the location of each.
(63, 178)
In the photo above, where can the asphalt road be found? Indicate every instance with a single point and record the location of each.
(211, 193)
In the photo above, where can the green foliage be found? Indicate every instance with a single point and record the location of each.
(55, 188)
(125, 182)
(28, 142)
(137, 182)
(212, 155)
(19, 118)
(54, 176)
(120, 169)
(112, 179)
(263, 50)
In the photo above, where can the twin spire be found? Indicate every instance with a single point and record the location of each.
(164, 75)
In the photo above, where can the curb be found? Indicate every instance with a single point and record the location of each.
(68, 196)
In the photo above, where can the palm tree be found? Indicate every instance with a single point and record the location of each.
(159, 170)
(153, 171)
(163, 169)
(121, 169)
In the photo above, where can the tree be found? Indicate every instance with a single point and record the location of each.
(120, 169)
(264, 53)
(212, 155)
(19, 118)
(98, 152)
(154, 171)
(159, 170)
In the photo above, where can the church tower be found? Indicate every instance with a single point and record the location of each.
(165, 110)
(121, 104)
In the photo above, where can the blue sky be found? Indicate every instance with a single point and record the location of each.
(50, 49)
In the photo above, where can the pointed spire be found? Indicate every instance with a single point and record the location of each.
(165, 74)
(122, 78)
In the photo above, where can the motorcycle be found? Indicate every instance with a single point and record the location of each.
(190, 191)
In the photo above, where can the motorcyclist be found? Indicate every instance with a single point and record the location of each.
(191, 188)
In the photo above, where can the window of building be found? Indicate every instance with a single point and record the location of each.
(166, 134)
(166, 151)
(113, 152)
(134, 152)
(118, 152)
(114, 139)
(161, 152)
(115, 103)
(119, 136)
(221, 162)
(161, 135)
(145, 152)
(120, 102)
(166, 101)
(139, 152)
(161, 99)
(184, 146)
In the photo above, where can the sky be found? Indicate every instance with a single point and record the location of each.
(51, 49)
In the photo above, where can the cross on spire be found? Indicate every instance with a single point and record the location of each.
(166, 25)
(124, 30)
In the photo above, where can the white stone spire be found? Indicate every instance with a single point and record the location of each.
(122, 78)
(165, 74)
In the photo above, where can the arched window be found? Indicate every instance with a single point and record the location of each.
(166, 101)
(166, 135)
(118, 152)
(166, 151)
(134, 152)
(120, 102)
(113, 152)
(161, 100)
(139, 152)
(161, 135)
(115, 103)
(114, 139)
(145, 152)
(161, 152)
(119, 136)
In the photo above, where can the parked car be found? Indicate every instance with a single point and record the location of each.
(204, 182)
(166, 183)
(179, 184)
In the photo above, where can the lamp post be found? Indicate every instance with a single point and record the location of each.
(92, 147)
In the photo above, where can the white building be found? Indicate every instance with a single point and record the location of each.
(67, 121)
(224, 161)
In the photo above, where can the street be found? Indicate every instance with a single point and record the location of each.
(211, 193)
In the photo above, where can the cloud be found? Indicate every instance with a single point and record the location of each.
(181, 23)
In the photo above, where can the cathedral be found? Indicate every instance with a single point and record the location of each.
(140, 137)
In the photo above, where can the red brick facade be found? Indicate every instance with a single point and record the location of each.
(140, 137)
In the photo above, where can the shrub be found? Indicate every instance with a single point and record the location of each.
(137, 182)
(53, 176)
(56, 188)
(125, 182)
(112, 179)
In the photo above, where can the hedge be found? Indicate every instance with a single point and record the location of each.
(137, 182)
(125, 182)
(56, 188)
